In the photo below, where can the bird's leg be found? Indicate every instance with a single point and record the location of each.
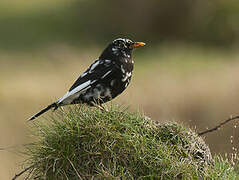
(56, 107)
(61, 107)
(100, 106)
(104, 108)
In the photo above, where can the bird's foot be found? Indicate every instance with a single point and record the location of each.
(101, 107)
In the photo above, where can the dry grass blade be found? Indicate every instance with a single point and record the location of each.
(74, 168)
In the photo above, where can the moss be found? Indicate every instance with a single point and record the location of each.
(86, 143)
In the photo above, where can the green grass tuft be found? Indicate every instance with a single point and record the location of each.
(86, 143)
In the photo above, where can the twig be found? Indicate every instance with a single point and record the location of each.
(218, 126)
(23, 171)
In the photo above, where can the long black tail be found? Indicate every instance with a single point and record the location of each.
(54, 105)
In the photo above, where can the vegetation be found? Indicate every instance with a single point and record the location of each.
(37, 24)
(86, 143)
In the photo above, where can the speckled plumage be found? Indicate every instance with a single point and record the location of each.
(105, 79)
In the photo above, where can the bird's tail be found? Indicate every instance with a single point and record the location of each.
(53, 105)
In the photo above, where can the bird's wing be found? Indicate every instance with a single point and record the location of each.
(98, 70)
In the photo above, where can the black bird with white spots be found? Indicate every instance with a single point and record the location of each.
(105, 79)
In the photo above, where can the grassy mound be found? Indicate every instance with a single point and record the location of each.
(86, 143)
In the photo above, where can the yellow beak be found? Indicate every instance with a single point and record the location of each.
(137, 44)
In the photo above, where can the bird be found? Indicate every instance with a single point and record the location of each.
(106, 77)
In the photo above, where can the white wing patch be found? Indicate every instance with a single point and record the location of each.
(85, 73)
(105, 74)
(93, 66)
(71, 95)
(108, 61)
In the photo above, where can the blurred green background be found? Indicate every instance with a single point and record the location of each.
(188, 72)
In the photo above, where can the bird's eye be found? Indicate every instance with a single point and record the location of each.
(122, 45)
(128, 44)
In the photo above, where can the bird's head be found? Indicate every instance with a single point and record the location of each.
(121, 47)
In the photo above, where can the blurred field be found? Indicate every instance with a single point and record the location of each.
(171, 82)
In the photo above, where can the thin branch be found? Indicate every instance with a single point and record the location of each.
(218, 126)
(23, 171)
